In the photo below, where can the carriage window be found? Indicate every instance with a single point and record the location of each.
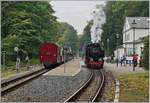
(48, 53)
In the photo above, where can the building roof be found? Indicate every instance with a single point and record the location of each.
(141, 22)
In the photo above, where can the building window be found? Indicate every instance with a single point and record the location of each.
(126, 37)
(129, 51)
(126, 26)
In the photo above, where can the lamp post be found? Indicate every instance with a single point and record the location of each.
(4, 55)
(117, 35)
(108, 45)
(141, 57)
(65, 50)
(64, 60)
(16, 49)
(133, 25)
(142, 52)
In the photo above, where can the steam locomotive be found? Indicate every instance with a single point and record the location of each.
(94, 56)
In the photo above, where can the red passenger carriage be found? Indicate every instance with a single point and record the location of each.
(50, 54)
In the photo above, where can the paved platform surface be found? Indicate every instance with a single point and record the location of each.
(122, 69)
(70, 68)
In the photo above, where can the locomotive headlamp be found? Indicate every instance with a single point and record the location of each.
(100, 59)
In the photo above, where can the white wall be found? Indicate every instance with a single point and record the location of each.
(126, 27)
(139, 33)
(120, 53)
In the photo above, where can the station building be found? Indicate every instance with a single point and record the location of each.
(134, 31)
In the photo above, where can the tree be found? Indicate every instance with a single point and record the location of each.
(27, 24)
(86, 37)
(146, 54)
(68, 36)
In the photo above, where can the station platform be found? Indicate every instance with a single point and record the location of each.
(70, 68)
(122, 69)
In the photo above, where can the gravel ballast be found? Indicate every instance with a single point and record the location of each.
(47, 88)
(108, 92)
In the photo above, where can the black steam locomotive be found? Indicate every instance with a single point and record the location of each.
(94, 56)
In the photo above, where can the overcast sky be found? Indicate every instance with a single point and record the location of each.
(76, 13)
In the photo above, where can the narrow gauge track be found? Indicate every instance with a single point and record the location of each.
(90, 90)
(11, 84)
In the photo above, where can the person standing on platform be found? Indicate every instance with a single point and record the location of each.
(124, 60)
(121, 61)
(135, 58)
(112, 58)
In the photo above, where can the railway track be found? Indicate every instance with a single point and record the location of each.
(90, 89)
(9, 85)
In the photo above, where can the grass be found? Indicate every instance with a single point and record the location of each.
(35, 61)
(10, 72)
(10, 69)
(134, 87)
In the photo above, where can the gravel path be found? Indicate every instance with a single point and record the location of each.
(47, 88)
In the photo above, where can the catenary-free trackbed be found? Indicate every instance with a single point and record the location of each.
(90, 90)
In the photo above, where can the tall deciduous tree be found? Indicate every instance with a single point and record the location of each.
(146, 54)
(68, 36)
(116, 11)
(27, 24)
(86, 37)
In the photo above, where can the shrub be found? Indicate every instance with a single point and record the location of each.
(146, 54)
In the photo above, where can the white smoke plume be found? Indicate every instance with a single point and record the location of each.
(98, 20)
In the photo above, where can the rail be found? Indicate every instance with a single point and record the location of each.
(80, 94)
(11, 84)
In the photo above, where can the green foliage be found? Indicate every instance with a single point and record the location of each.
(146, 54)
(86, 37)
(116, 11)
(68, 36)
(27, 24)
(35, 61)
